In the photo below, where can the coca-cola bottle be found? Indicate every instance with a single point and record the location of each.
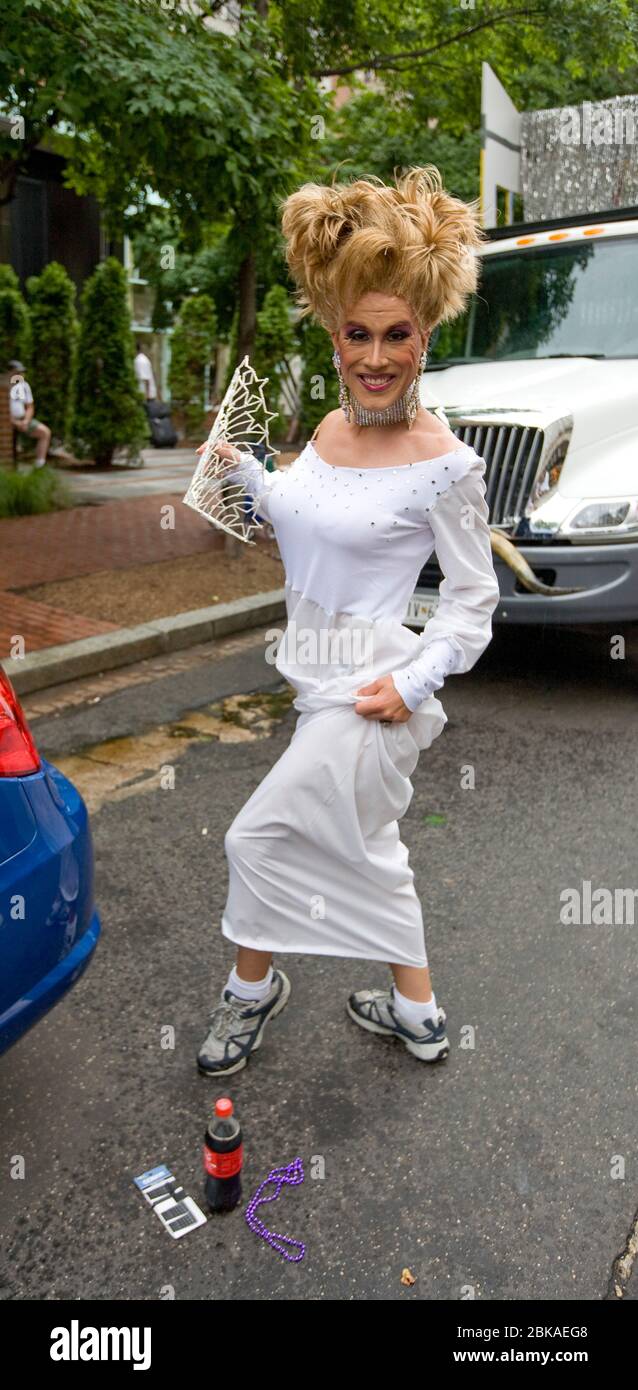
(223, 1156)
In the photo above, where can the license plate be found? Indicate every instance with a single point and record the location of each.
(421, 607)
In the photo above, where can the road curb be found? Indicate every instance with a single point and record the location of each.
(108, 650)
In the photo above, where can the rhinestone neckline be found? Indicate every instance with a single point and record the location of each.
(388, 468)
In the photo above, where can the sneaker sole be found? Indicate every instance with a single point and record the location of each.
(240, 1063)
(426, 1052)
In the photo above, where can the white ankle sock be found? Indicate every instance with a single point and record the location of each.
(411, 1010)
(249, 989)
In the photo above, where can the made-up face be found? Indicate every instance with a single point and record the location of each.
(380, 346)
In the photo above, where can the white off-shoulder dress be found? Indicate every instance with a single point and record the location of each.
(316, 863)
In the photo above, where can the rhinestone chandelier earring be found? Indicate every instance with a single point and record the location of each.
(344, 394)
(412, 396)
(403, 409)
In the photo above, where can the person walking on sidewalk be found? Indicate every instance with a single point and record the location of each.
(21, 408)
(316, 863)
(144, 372)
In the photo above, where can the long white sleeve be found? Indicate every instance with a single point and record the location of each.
(256, 479)
(461, 628)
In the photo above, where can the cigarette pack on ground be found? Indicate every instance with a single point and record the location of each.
(177, 1212)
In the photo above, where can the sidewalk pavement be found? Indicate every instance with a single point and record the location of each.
(77, 541)
(117, 525)
(165, 470)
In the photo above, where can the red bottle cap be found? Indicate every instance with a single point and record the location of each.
(224, 1107)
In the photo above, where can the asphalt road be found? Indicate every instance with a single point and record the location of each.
(495, 1172)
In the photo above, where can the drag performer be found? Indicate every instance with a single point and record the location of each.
(316, 863)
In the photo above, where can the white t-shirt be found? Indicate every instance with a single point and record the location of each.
(20, 396)
(354, 540)
(144, 373)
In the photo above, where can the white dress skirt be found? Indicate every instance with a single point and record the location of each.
(316, 863)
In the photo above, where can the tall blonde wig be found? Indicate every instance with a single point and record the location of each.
(412, 239)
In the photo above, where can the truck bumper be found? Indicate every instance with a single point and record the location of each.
(607, 576)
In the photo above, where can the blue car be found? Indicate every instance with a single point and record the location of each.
(49, 925)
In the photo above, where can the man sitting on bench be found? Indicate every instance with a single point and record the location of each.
(21, 406)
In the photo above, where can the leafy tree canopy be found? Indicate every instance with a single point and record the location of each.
(157, 98)
(151, 98)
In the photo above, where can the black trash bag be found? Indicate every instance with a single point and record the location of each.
(163, 432)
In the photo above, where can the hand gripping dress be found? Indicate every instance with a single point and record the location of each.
(316, 864)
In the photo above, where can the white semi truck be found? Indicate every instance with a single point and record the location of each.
(540, 376)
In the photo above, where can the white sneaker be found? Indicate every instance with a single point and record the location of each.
(375, 1010)
(238, 1026)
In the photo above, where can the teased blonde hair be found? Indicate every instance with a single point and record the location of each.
(413, 240)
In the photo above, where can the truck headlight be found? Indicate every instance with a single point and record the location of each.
(604, 517)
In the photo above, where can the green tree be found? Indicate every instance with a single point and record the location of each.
(8, 278)
(192, 347)
(275, 344)
(429, 51)
(54, 327)
(174, 272)
(415, 72)
(107, 412)
(146, 99)
(15, 324)
(233, 355)
(319, 382)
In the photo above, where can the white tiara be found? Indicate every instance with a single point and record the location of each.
(212, 491)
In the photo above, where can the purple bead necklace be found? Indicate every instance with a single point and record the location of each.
(291, 1173)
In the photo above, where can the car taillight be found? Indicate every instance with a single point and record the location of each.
(18, 753)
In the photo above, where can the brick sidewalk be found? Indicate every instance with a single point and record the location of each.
(78, 541)
(112, 536)
(41, 625)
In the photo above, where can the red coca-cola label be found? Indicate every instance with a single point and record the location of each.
(223, 1165)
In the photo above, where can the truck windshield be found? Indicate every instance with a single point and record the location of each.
(577, 299)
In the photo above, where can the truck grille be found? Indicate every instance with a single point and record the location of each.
(512, 455)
